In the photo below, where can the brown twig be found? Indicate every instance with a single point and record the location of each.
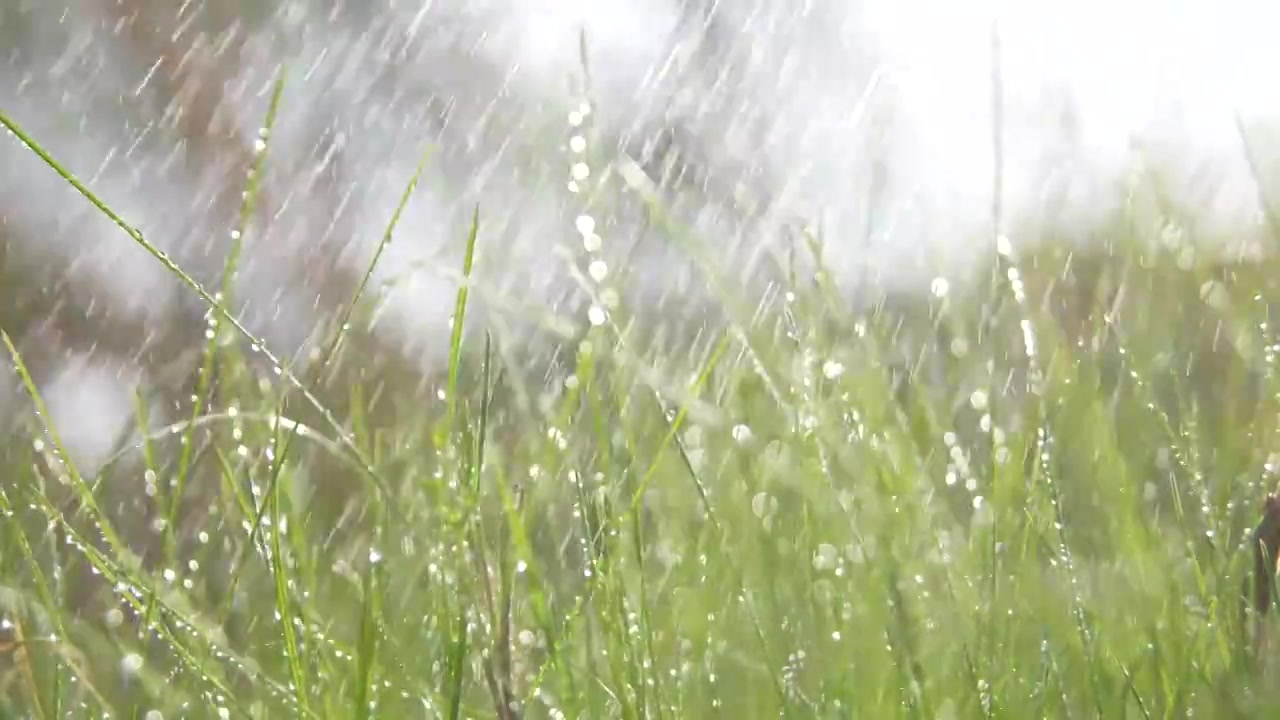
(18, 647)
(1266, 549)
(497, 679)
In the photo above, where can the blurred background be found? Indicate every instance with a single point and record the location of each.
(906, 136)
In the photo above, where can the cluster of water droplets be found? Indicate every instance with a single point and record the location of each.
(604, 297)
(1178, 457)
(1046, 441)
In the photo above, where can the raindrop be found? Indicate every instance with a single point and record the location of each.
(596, 315)
(763, 505)
(598, 270)
(825, 558)
(978, 400)
(131, 663)
(1214, 294)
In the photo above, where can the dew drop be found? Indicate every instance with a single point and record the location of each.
(940, 287)
(978, 400)
(596, 315)
(598, 270)
(832, 369)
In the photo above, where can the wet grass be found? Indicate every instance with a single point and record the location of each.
(1031, 497)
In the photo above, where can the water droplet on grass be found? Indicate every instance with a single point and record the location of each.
(826, 557)
(131, 663)
(598, 270)
(978, 400)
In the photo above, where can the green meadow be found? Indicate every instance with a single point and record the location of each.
(1030, 495)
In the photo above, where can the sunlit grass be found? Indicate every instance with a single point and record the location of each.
(1029, 497)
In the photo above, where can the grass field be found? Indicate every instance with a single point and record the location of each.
(1029, 497)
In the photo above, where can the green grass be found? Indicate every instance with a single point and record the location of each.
(808, 511)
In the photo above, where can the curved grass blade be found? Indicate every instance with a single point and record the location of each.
(219, 307)
(205, 377)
